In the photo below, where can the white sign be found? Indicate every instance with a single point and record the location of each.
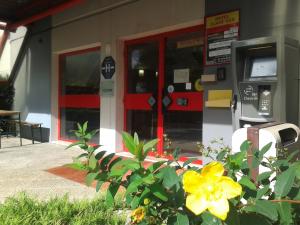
(181, 76)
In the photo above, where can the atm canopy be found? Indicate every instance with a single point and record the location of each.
(15, 13)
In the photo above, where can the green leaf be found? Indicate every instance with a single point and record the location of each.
(233, 216)
(105, 161)
(139, 154)
(144, 195)
(127, 163)
(221, 155)
(251, 218)
(176, 153)
(135, 202)
(133, 187)
(153, 167)
(129, 142)
(264, 150)
(110, 194)
(82, 155)
(90, 177)
(114, 161)
(84, 127)
(238, 158)
(79, 127)
(149, 179)
(284, 183)
(285, 213)
(158, 191)
(136, 138)
(245, 146)
(99, 185)
(265, 208)
(93, 162)
(149, 145)
(75, 144)
(245, 181)
(170, 177)
(181, 219)
(100, 154)
(261, 192)
(264, 176)
(77, 166)
(209, 219)
(189, 161)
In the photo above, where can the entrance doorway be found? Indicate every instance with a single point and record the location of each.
(163, 95)
(79, 100)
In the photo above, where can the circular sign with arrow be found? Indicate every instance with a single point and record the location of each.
(108, 67)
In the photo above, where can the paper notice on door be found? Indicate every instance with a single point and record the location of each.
(181, 76)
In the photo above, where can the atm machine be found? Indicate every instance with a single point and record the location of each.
(266, 81)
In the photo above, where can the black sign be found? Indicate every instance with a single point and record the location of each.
(108, 67)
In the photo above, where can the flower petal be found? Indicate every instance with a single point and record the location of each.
(219, 208)
(230, 188)
(192, 181)
(196, 203)
(213, 169)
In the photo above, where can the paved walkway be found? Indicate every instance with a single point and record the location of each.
(24, 169)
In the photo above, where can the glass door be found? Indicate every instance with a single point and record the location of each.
(141, 89)
(163, 95)
(183, 96)
(79, 99)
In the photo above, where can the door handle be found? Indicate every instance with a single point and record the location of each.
(152, 102)
(166, 102)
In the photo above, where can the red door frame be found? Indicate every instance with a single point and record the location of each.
(90, 101)
(131, 103)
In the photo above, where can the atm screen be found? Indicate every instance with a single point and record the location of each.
(263, 67)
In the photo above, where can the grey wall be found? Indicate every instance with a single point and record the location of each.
(32, 83)
(257, 18)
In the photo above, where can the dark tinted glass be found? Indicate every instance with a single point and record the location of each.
(142, 122)
(184, 129)
(142, 68)
(184, 52)
(70, 117)
(80, 73)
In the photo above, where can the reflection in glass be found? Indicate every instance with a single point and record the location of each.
(142, 68)
(184, 52)
(80, 73)
(70, 117)
(143, 122)
(184, 129)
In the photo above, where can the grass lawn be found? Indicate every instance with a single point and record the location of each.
(24, 210)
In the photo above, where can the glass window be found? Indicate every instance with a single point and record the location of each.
(80, 73)
(142, 68)
(184, 53)
(71, 116)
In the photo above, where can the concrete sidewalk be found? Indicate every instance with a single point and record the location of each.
(24, 169)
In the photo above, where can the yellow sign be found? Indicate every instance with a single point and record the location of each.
(222, 19)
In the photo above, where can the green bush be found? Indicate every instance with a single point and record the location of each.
(223, 192)
(24, 210)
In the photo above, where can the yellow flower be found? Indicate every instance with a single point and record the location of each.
(138, 215)
(210, 190)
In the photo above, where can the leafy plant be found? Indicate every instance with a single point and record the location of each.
(172, 193)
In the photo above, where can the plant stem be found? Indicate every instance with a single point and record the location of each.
(286, 200)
